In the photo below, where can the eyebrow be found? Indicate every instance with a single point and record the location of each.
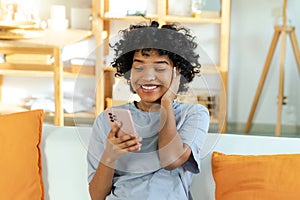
(137, 60)
(162, 62)
(156, 62)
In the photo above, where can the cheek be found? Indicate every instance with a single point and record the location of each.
(166, 79)
(134, 76)
(133, 79)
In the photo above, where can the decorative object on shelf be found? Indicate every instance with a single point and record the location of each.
(19, 10)
(58, 19)
(16, 34)
(17, 21)
(197, 7)
(71, 104)
(13, 30)
(137, 8)
(284, 30)
(18, 25)
(81, 18)
(179, 8)
(119, 9)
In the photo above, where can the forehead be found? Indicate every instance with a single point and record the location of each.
(151, 56)
(149, 53)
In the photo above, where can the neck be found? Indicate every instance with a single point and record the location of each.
(148, 107)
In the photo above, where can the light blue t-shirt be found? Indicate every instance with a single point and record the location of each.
(139, 175)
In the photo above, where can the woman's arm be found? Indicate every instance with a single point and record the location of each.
(101, 183)
(172, 151)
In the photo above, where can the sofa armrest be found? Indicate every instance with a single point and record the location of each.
(64, 162)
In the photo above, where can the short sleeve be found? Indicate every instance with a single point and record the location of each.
(193, 130)
(96, 145)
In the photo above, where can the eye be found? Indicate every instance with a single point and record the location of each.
(138, 68)
(160, 69)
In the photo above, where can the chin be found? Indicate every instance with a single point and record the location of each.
(150, 100)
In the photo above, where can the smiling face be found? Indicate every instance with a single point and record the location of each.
(151, 75)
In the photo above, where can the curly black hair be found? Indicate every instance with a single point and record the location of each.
(172, 40)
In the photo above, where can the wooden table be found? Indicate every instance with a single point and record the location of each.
(51, 42)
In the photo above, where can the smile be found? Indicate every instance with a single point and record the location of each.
(149, 87)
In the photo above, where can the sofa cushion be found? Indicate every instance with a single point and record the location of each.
(256, 176)
(20, 157)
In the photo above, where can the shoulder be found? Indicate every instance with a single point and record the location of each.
(191, 108)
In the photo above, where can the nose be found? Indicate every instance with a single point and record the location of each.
(148, 75)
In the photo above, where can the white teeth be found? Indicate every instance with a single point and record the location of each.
(149, 87)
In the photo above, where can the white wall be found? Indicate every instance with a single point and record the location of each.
(252, 30)
(252, 25)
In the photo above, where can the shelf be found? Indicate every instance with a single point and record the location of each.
(88, 114)
(50, 44)
(40, 73)
(6, 108)
(129, 18)
(204, 17)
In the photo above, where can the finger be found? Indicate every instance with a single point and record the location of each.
(127, 137)
(113, 131)
(178, 72)
(121, 141)
(174, 72)
(119, 124)
(134, 148)
(129, 143)
(178, 78)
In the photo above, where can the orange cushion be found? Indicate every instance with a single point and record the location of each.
(258, 177)
(20, 156)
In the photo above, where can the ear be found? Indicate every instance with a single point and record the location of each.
(131, 88)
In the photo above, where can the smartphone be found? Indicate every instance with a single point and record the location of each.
(123, 118)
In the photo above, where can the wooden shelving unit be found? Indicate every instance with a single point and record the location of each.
(50, 43)
(101, 22)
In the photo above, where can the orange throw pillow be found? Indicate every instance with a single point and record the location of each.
(20, 156)
(256, 177)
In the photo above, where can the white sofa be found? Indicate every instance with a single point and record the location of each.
(65, 168)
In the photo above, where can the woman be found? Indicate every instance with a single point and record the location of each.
(158, 62)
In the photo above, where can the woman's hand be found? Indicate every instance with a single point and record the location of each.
(101, 184)
(170, 95)
(117, 146)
